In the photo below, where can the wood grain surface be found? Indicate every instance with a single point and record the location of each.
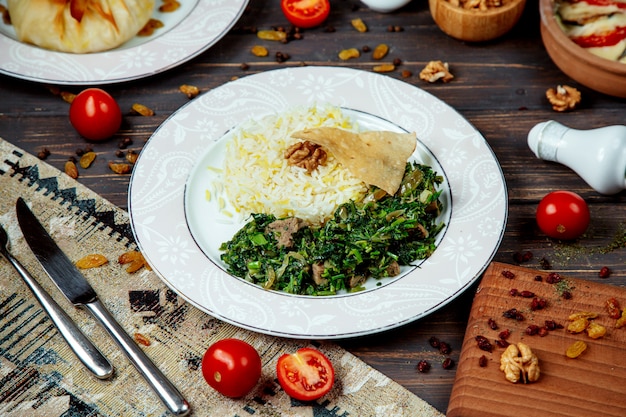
(591, 384)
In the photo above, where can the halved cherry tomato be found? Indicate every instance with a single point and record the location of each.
(305, 375)
(232, 367)
(563, 215)
(95, 114)
(306, 13)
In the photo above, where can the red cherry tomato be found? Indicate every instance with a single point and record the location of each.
(305, 375)
(95, 114)
(563, 215)
(232, 367)
(306, 13)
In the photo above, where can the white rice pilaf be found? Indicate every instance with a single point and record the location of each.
(258, 179)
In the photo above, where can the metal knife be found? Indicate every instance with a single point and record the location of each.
(76, 288)
(84, 349)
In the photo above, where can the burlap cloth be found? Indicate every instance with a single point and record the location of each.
(40, 376)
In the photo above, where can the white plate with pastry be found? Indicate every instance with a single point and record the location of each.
(190, 29)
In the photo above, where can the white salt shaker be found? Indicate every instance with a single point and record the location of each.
(597, 155)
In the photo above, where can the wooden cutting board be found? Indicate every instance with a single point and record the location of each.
(594, 384)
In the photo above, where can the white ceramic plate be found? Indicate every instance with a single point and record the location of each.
(168, 177)
(192, 29)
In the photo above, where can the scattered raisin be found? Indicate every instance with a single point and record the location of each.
(444, 348)
(526, 294)
(423, 366)
(566, 295)
(553, 278)
(532, 329)
(43, 154)
(141, 339)
(613, 308)
(508, 274)
(91, 261)
(244, 66)
(552, 325)
(434, 342)
(605, 272)
(492, 324)
(538, 304)
(482, 361)
(483, 343)
(504, 334)
(513, 314)
(502, 343)
(447, 363)
(71, 170)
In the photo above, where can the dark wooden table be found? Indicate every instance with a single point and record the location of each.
(499, 86)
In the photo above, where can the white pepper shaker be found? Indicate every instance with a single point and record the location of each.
(597, 155)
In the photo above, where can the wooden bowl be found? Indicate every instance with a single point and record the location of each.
(599, 74)
(476, 25)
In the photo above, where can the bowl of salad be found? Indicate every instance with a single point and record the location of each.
(587, 41)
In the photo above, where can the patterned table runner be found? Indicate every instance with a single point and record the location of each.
(39, 374)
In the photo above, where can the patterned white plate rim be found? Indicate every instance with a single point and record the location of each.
(192, 29)
(477, 197)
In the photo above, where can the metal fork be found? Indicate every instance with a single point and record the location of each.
(88, 354)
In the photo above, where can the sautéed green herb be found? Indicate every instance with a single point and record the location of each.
(369, 238)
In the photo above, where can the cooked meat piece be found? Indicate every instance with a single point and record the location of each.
(285, 229)
(393, 269)
(357, 280)
(318, 269)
